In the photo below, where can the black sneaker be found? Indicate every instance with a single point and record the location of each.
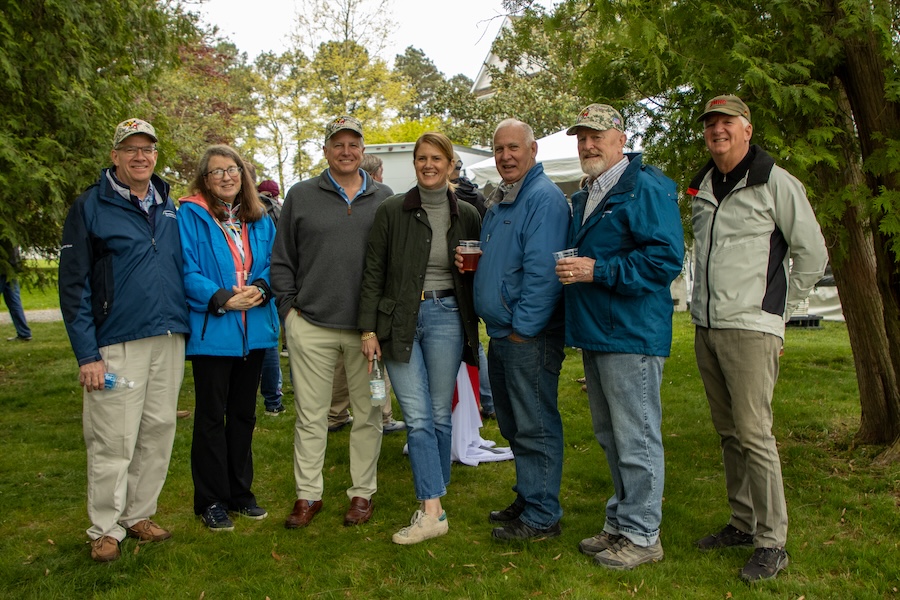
(252, 512)
(507, 515)
(274, 412)
(519, 531)
(729, 537)
(765, 563)
(216, 518)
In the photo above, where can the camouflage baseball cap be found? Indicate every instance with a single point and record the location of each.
(600, 117)
(131, 127)
(341, 123)
(726, 104)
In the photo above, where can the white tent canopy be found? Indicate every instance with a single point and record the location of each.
(558, 153)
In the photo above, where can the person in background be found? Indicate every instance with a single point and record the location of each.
(758, 252)
(226, 239)
(418, 310)
(627, 229)
(467, 191)
(317, 270)
(374, 166)
(270, 381)
(121, 292)
(519, 297)
(11, 295)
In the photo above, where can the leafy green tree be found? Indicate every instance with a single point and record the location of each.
(821, 78)
(70, 71)
(419, 72)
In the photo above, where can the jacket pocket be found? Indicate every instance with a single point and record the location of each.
(102, 289)
(385, 318)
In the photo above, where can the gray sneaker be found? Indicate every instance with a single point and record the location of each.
(765, 563)
(598, 543)
(626, 555)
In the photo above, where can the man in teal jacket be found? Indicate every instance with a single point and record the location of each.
(518, 296)
(630, 241)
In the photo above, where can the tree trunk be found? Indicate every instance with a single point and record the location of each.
(863, 79)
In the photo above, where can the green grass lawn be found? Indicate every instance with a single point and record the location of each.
(843, 536)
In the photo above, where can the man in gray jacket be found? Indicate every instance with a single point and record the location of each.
(316, 274)
(758, 252)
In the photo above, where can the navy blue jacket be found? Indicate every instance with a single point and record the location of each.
(516, 287)
(120, 270)
(638, 242)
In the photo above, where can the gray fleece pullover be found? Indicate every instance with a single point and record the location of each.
(320, 249)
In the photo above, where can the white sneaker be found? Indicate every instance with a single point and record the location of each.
(422, 527)
(393, 425)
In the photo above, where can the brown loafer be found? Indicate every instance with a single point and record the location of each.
(360, 511)
(105, 549)
(303, 513)
(147, 531)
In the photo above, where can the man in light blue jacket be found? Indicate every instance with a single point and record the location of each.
(518, 295)
(627, 228)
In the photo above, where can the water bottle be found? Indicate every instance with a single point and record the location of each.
(111, 381)
(377, 387)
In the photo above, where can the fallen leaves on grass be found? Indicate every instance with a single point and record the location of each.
(276, 556)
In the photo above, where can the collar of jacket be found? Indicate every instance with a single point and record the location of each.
(108, 191)
(412, 200)
(371, 184)
(759, 172)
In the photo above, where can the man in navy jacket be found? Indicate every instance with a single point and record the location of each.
(121, 292)
(519, 298)
(627, 229)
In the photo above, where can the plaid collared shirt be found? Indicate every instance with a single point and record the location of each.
(601, 185)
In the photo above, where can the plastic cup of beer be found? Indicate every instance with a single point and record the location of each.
(567, 253)
(471, 252)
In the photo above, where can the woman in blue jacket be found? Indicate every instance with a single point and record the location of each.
(226, 239)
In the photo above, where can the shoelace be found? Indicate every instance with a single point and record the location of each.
(416, 521)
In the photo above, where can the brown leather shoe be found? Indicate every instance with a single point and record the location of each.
(360, 511)
(105, 549)
(147, 531)
(302, 514)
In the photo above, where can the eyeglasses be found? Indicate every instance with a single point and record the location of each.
(217, 174)
(131, 151)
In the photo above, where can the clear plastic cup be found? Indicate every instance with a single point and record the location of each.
(471, 252)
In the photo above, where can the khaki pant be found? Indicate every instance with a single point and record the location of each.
(739, 369)
(129, 433)
(314, 352)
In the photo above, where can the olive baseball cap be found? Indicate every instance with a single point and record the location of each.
(341, 123)
(131, 127)
(600, 117)
(727, 104)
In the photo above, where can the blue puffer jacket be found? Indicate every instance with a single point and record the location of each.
(516, 287)
(638, 243)
(120, 270)
(209, 268)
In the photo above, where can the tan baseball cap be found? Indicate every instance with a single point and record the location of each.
(600, 117)
(131, 127)
(341, 123)
(727, 104)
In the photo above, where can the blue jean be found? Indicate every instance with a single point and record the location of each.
(623, 392)
(525, 382)
(484, 382)
(14, 305)
(270, 381)
(424, 388)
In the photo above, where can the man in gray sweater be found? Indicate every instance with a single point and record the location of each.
(316, 273)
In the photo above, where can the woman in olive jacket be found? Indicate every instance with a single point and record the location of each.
(417, 309)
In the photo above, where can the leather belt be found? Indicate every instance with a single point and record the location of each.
(438, 294)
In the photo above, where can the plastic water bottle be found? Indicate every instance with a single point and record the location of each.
(377, 387)
(111, 381)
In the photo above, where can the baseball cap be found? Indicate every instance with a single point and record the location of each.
(341, 123)
(131, 127)
(727, 104)
(600, 117)
(269, 186)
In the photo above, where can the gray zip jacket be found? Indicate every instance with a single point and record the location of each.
(757, 253)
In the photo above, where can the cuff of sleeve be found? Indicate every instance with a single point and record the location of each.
(217, 302)
(265, 289)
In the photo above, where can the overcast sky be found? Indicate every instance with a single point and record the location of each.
(455, 35)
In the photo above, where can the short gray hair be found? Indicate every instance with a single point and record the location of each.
(529, 132)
